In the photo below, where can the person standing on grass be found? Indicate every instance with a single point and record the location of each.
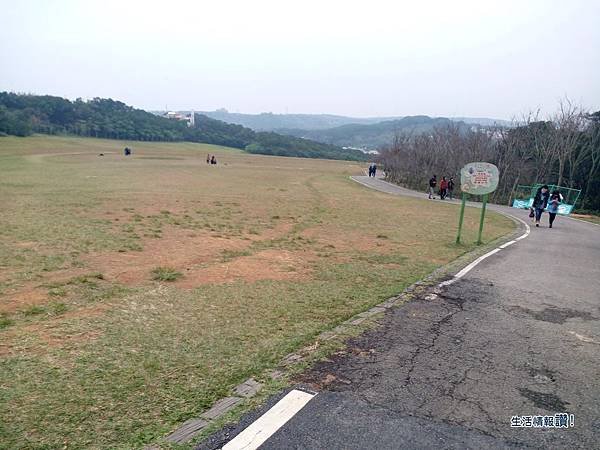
(443, 188)
(540, 201)
(432, 185)
(208, 159)
(451, 188)
(553, 203)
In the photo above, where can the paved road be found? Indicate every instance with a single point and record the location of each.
(518, 335)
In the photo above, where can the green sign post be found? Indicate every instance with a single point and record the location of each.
(477, 178)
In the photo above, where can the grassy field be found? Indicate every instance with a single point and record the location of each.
(135, 292)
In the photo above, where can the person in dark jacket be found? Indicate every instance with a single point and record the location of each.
(540, 201)
(432, 185)
(451, 188)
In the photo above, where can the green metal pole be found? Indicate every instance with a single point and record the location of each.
(461, 217)
(485, 198)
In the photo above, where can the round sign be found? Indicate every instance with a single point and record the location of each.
(479, 178)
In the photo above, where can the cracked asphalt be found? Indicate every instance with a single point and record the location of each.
(518, 335)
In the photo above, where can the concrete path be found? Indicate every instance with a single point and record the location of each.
(519, 335)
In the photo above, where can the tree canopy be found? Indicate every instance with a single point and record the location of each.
(22, 115)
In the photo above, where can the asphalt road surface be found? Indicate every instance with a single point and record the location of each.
(519, 335)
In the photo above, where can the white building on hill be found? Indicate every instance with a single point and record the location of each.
(175, 115)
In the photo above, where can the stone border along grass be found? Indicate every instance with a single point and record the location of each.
(245, 391)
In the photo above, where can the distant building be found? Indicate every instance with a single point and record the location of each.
(175, 115)
(364, 150)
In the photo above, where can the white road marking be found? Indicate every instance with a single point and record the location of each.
(467, 269)
(271, 421)
(507, 244)
(583, 338)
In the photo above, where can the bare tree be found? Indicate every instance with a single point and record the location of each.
(563, 149)
(569, 123)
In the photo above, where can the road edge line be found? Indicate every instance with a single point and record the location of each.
(257, 433)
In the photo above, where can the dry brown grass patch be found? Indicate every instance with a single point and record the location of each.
(272, 264)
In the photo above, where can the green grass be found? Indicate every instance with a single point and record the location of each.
(5, 322)
(165, 274)
(273, 251)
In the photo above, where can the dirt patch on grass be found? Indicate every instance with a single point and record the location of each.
(344, 240)
(36, 338)
(36, 293)
(273, 264)
(26, 244)
(25, 298)
(187, 251)
(178, 248)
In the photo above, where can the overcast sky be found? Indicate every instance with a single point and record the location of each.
(365, 58)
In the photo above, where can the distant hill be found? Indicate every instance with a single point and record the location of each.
(483, 121)
(273, 122)
(22, 115)
(375, 135)
(367, 133)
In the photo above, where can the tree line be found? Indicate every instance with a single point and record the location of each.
(22, 115)
(562, 149)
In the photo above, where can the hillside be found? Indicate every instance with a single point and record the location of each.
(274, 122)
(375, 135)
(22, 115)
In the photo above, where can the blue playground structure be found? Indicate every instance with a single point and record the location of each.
(524, 197)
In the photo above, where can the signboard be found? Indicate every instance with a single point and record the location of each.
(479, 178)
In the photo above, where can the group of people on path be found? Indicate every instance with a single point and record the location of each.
(211, 159)
(372, 170)
(446, 188)
(544, 200)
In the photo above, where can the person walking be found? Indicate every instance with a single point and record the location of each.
(540, 201)
(374, 169)
(432, 185)
(370, 170)
(451, 188)
(553, 202)
(443, 188)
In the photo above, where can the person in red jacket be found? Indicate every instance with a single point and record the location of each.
(443, 188)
